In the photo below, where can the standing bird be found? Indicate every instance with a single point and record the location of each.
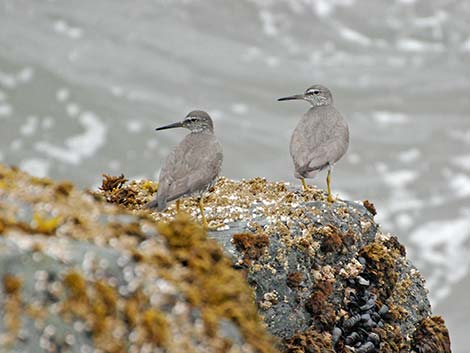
(193, 166)
(320, 139)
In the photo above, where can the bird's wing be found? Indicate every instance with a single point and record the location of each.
(319, 139)
(191, 166)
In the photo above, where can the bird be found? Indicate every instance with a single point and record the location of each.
(321, 137)
(193, 165)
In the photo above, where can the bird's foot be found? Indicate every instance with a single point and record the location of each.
(330, 198)
(215, 225)
(305, 187)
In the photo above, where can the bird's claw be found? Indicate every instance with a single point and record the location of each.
(216, 225)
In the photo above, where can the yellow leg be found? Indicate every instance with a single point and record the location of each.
(177, 205)
(304, 184)
(201, 208)
(328, 185)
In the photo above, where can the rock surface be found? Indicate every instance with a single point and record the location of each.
(80, 275)
(323, 276)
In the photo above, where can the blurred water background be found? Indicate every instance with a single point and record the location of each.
(84, 84)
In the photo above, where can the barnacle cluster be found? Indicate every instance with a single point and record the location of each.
(324, 276)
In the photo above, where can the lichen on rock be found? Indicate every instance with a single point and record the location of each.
(81, 274)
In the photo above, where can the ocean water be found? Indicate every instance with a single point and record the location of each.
(82, 87)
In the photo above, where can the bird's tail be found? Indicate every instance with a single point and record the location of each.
(157, 203)
(307, 171)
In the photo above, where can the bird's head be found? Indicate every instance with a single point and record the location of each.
(195, 121)
(316, 95)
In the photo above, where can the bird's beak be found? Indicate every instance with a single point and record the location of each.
(170, 126)
(295, 96)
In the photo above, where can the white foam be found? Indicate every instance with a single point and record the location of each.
(268, 22)
(462, 161)
(353, 158)
(62, 27)
(462, 135)
(250, 54)
(80, 146)
(72, 109)
(30, 126)
(36, 166)
(216, 114)
(239, 108)
(404, 220)
(460, 184)
(117, 91)
(273, 61)
(134, 126)
(93, 137)
(409, 156)
(47, 122)
(389, 118)
(353, 36)
(7, 80)
(16, 144)
(466, 45)
(444, 243)
(62, 94)
(324, 8)
(414, 45)
(400, 178)
(5, 110)
(431, 21)
(25, 75)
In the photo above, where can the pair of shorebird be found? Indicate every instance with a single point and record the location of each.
(320, 139)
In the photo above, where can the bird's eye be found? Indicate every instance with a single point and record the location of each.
(313, 91)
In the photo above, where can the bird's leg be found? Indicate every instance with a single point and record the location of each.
(177, 206)
(328, 185)
(201, 208)
(304, 185)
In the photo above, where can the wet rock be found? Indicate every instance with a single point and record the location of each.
(431, 335)
(352, 282)
(359, 288)
(324, 273)
(80, 275)
(323, 276)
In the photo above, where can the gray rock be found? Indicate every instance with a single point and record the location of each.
(329, 271)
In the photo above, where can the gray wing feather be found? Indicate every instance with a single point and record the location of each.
(320, 138)
(191, 167)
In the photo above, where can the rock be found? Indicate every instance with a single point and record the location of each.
(323, 276)
(318, 270)
(80, 275)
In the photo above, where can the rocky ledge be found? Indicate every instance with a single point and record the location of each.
(80, 272)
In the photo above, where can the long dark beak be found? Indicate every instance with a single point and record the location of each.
(295, 96)
(170, 126)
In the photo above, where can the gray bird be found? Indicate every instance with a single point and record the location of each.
(321, 137)
(193, 166)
